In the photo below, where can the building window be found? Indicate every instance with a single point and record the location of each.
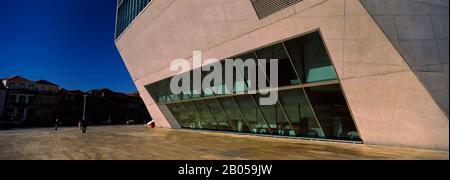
(12, 99)
(301, 114)
(20, 114)
(219, 115)
(234, 115)
(127, 11)
(22, 99)
(287, 75)
(11, 112)
(31, 100)
(11, 85)
(311, 59)
(21, 86)
(250, 112)
(332, 112)
(305, 108)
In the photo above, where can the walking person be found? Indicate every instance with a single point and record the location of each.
(56, 124)
(84, 126)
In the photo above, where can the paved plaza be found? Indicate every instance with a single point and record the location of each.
(138, 142)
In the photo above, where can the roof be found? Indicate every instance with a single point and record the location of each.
(105, 91)
(134, 94)
(45, 82)
(17, 79)
(69, 92)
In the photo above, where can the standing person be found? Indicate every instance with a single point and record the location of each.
(84, 126)
(79, 125)
(56, 124)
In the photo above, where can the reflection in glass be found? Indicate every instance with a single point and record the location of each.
(219, 115)
(251, 114)
(197, 91)
(320, 113)
(160, 91)
(245, 73)
(208, 120)
(310, 58)
(207, 70)
(274, 115)
(126, 12)
(233, 114)
(332, 112)
(300, 113)
(286, 73)
(176, 113)
(183, 117)
(195, 118)
(186, 94)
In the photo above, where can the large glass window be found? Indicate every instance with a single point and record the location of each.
(311, 59)
(300, 113)
(127, 11)
(234, 115)
(332, 112)
(208, 121)
(248, 75)
(302, 108)
(276, 118)
(193, 118)
(157, 91)
(286, 73)
(181, 116)
(251, 114)
(219, 115)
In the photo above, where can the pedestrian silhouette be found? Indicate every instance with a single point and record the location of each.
(79, 125)
(56, 124)
(84, 126)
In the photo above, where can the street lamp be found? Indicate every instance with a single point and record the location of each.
(84, 107)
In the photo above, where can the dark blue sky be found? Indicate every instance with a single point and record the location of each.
(68, 42)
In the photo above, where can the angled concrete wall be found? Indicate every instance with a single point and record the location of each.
(389, 103)
(419, 31)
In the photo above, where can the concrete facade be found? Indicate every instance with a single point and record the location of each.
(389, 103)
(419, 31)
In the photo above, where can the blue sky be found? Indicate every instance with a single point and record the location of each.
(68, 42)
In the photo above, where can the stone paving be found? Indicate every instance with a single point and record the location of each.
(138, 142)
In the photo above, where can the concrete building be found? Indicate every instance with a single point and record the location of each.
(370, 71)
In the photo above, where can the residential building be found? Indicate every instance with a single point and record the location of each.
(70, 106)
(47, 99)
(104, 106)
(20, 100)
(136, 109)
(2, 100)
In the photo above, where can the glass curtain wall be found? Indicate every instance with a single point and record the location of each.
(127, 11)
(310, 102)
